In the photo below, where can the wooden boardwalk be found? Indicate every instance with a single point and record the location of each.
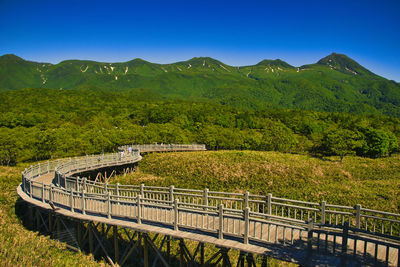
(232, 221)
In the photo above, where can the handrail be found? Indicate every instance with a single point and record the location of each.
(83, 195)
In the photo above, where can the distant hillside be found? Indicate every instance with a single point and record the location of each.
(335, 83)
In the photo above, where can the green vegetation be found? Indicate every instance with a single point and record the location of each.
(40, 124)
(373, 183)
(304, 117)
(22, 247)
(336, 83)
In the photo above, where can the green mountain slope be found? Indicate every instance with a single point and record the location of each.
(334, 83)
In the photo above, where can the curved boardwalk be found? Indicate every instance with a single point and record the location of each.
(302, 232)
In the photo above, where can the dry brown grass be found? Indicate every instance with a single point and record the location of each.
(374, 183)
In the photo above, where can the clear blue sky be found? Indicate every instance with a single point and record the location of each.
(235, 32)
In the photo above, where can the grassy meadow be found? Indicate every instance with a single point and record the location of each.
(20, 246)
(373, 183)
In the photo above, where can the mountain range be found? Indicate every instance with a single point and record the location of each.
(335, 83)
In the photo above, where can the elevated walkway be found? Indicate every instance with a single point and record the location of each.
(302, 232)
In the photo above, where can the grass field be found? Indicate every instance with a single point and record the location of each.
(373, 183)
(22, 247)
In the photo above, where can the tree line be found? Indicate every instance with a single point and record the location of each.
(40, 124)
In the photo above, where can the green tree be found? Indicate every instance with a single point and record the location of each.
(341, 142)
(378, 143)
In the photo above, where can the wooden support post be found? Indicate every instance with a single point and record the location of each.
(269, 204)
(83, 203)
(181, 251)
(169, 250)
(344, 244)
(176, 214)
(358, 217)
(71, 200)
(142, 189)
(79, 229)
(77, 184)
(250, 260)
(58, 227)
(246, 199)
(264, 261)
(109, 205)
(90, 226)
(241, 259)
(221, 222)
(171, 193)
(30, 188)
(116, 249)
(50, 214)
(139, 210)
(145, 251)
(202, 254)
(206, 196)
(31, 216)
(43, 195)
(51, 193)
(246, 225)
(323, 204)
(310, 228)
(84, 184)
(37, 219)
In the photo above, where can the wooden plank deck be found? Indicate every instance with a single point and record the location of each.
(271, 235)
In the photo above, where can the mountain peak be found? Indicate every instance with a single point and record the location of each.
(10, 57)
(343, 63)
(276, 63)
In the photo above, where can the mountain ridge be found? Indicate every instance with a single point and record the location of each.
(334, 83)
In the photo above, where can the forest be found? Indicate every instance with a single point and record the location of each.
(40, 124)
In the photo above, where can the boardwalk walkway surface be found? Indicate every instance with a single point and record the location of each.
(303, 232)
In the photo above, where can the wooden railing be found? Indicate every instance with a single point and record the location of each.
(246, 216)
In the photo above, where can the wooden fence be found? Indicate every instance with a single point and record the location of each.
(355, 230)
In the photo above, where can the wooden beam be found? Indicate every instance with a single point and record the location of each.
(116, 250)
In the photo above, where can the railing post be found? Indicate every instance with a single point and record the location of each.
(105, 187)
(176, 214)
(139, 210)
(58, 178)
(358, 216)
(246, 199)
(221, 222)
(142, 189)
(310, 228)
(84, 184)
(30, 188)
(51, 193)
(323, 213)
(71, 200)
(246, 224)
(344, 243)
(117, 192)
(206, 197)
(38, 169)
(83, 203)
(43, 196)
(48, 166)
(269, 204)
(109, 205)
(77, 184)
(171, 193)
